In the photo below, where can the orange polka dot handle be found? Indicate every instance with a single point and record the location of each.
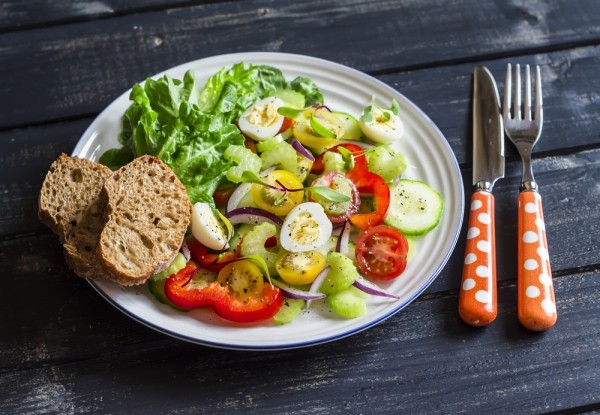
(477, 303)
(535, 292)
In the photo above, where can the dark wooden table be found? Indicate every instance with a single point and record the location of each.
(64, 349)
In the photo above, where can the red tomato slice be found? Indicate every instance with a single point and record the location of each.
(381, 252)
(183, 291)
(375, 185)
(250, 144)
(287, 123)
(277, 201)
(221, 196)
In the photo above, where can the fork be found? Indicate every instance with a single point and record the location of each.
(535, 292)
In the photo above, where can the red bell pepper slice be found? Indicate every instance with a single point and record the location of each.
(372, 184)
(183, 292)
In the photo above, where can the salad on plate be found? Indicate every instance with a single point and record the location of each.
(294, 202)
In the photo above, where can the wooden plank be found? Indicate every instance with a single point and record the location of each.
(79, 68)
(20, 15)
(407, 364)
(570, 110)
(65, 350)
(25, 159)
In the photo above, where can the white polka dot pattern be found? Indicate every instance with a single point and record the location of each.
(477, 301)
(536, 303)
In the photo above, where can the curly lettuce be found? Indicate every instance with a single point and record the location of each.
(190, 128)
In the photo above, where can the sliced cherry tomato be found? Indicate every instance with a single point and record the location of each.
(381, 252)
(208, 259)
(328, 129)
(287, 123)
(250, 144)
(318, 166)
(222, 195)
(243, 278)
(371, 184)
(278, 202)
(271, 242)
(337, 212)
(304, 167)
(298, 268)
(191, 288)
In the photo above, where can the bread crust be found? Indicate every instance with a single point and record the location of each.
(148, 213)
(71, 205)
(122, 226)
(69, 197)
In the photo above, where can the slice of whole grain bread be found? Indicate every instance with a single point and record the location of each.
(71, 204)
(148, 212)
(70, 192)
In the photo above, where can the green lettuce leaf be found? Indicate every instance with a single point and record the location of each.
(189, 127)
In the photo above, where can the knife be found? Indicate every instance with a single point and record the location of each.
(477, 303)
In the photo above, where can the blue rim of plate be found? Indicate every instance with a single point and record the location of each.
(86, 142)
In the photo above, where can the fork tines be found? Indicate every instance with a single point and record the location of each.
(522, 112)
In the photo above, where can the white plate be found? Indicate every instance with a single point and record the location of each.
(346, 90)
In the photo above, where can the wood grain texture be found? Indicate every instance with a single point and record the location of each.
(65, 350)
(420, 360)
(27, 14)
(81, 67)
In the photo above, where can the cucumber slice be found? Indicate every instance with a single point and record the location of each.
(239, 232)
(328, 246)
(157, 288)
(177, 264)
(415, 208)
(348, 303)
(290, 309)
(263, 146)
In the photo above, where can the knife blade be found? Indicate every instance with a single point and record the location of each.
(478, 297)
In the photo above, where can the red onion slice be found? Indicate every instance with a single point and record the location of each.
(253, 216)
(372, 289)
(344, 239)
(295, 293)
(265, 172)
(301, 149)
(237, 196)
(186, 251)
(314, 287)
